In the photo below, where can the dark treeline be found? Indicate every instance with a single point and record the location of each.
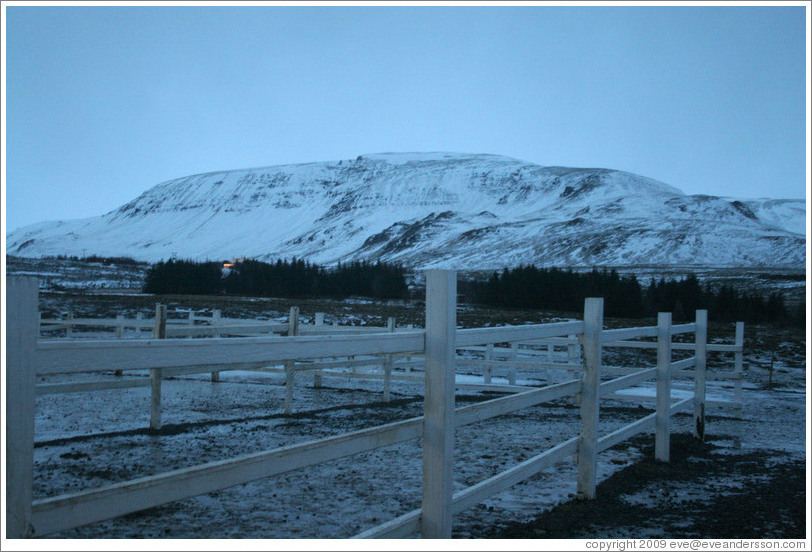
(624, 296)
(98, 259)
(296, 279)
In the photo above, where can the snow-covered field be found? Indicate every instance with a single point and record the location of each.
(93, 439)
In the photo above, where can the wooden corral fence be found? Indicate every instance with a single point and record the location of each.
(29, 357)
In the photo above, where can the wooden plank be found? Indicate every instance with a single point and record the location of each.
(387, 363)
(514, 355)
(206, 368)
(438, 426)
(290, 373)
(495, 387)
(54, 356)
(683, 364)
(625, 432)
(216, 317)
(219, 330)
(518, 364)
(621, 334)
(713, 347)
(85, 386)
(623, 382)
(662, 437)
(477, 493)
(738, 360)
(700, 373)
(21, 340)
(505, 334)
(679, 406)
(76, 509)
(505, 405)
(588, 438)
(399, 528)
(309, 366)
(155, 374)
(486, 379)
(683, 328)
(652, 399)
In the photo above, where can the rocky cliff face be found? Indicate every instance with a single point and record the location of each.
(433, 210)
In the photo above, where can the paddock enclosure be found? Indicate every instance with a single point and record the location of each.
(563, 358)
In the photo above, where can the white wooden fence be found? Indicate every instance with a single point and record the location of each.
(28, 357)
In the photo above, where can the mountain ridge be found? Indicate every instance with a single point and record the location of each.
(435, 209)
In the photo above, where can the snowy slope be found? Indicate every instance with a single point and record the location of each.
(433, 209)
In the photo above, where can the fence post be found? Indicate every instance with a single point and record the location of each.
(699, 373)
(438, 421)
(387, 362)
(69, 326)
(514, 356)
(156, 374)
(738, 365)
(290, 365)
(588, 438)
(22, 297)
(488, 368)
(573, 358)
(662, 419)
(317, 377)
(119, 334)
(215, 321)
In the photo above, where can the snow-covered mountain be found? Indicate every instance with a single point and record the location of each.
(433, 210)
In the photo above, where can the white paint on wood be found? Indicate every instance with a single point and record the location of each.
(662, 437)
(387, 366)
(155, 374)
(679, 406)
(290, 372)
(625, 432)
(505, 334)
(216, 317)
(85, 386)
(477, 493)
(701, 357)
(438, 427)
(620, 334)
(623, 382)
(589, 398)
(514, 355)
(738, 360)
(682, 364)
(59, 356)
(399, 528)
(505, 405)
(21, 339)
(488, 358)
(683, 328)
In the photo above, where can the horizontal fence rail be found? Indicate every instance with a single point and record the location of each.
(384, 349)
(55, 357)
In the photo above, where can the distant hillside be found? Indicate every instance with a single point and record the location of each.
(433, 210)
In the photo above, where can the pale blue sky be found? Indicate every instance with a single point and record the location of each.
(105, 102)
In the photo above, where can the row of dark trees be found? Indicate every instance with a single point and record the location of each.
(624, 296)
(523, 287)
(283, 278)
